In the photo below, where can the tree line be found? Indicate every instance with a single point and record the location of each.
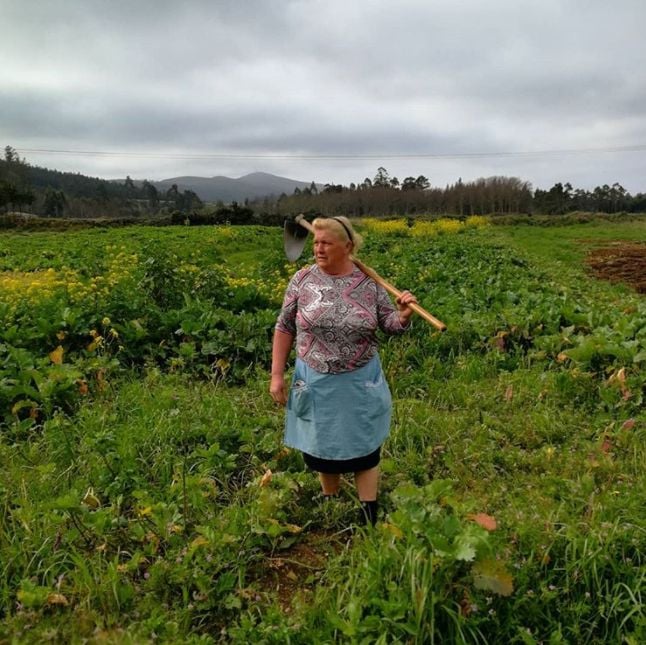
(52, 193)
(385, 195)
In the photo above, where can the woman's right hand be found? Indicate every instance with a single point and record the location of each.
(278, 389)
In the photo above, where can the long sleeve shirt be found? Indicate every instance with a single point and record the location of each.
(335, 318)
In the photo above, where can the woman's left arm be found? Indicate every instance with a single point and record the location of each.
(393, 320)
(403, 306)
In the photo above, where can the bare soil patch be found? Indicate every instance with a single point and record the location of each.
(296, 571)
(620, 262)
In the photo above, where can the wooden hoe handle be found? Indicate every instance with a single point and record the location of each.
(438, 324)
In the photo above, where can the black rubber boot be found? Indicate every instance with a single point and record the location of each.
(368, 513)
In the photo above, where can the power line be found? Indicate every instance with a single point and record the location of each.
(218, 155)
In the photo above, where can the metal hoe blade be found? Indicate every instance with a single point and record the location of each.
(294, 238)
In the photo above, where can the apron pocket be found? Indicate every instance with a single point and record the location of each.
(378, 399)
(300, 400)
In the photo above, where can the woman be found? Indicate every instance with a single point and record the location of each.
(339, 405)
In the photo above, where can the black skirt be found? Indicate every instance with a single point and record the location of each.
(338, 466)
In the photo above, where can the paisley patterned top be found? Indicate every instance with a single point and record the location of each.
(335, 318)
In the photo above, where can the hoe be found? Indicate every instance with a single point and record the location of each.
(295, 236)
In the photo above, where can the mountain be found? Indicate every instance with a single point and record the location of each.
(226, 189)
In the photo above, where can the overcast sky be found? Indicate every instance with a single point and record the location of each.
(328, 90)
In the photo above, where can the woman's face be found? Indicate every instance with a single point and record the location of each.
(331, 253)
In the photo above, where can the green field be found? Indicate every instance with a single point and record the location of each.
(137, 436)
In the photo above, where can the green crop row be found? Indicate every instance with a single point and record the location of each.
(145, 495)
(72, 314)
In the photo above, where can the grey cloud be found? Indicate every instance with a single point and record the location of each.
(329, 77)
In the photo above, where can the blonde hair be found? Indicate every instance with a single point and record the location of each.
(341, 227)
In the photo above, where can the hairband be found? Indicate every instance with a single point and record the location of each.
(347, 230)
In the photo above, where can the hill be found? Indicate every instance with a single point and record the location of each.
(208, 189)
(42, 191)
(227, 189)
(74, 184)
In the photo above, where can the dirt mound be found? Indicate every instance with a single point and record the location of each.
(620, 262)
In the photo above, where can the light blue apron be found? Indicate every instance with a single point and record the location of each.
(338, 416)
